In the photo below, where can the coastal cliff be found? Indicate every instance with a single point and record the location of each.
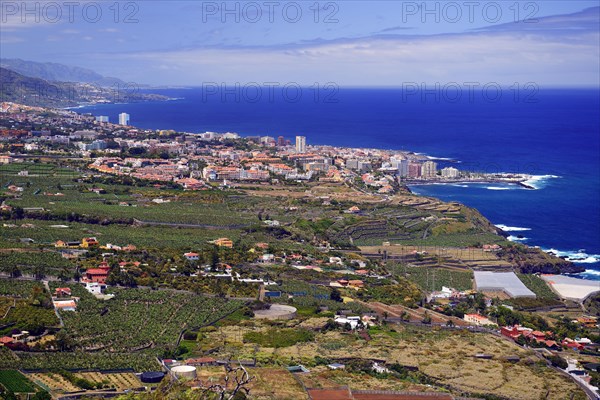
(531, 260)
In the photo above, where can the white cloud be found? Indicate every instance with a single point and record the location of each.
(502, 57)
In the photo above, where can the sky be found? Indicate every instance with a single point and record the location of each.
(348, 43)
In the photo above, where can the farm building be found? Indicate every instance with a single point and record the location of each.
(506, 282)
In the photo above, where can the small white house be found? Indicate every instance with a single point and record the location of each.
(95, 288)
(192, 256)
(267, 258)
(352, 321)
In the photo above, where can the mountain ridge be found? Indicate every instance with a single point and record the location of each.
(55, 72)
(37, 92)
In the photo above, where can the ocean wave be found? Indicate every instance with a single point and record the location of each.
(516, 238)
(511, 228)
(457, 185)
(577, 257)
(439, 158)
(498, 188)
(591, 272)
(539, 181)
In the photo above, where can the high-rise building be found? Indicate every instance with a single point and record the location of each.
(414, 170)
(281, 141)
(450, 172)
(403, 168)
(428, 169)
(102, 118)
(300, 144)
(123, 119)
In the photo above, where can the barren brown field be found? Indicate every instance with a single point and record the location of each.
(446, 356)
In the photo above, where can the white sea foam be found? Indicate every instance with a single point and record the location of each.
(591, 272)
(578, 257)
(516, 239)
(439, 158)
(498, 188)
(457, 185)
(539, 181)
(511, 228)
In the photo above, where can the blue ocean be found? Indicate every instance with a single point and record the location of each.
(553, 134)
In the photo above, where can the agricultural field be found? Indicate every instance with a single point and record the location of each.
(9, 172)
(26, 262)
(36, 362)
(538, 286)
(53, 382)
(26, 316)
(119, 381)
(233, 213)
(48, 232)
(16, 288)
(114, 325)
(25, 306)
(432, 278)
(16, 381)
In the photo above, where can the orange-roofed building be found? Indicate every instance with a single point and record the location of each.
(89, 242)
(5, 340)
(224, 242)
(356, 283)
(62, 292)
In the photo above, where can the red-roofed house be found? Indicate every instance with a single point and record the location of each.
(571, 344)
(515, 331)
(98, 275)
(5, 340)
(62, 292)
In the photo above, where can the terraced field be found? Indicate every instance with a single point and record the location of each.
(53, 382)
(119, 381)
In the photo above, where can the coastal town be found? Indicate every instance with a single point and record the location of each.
(137, 261)
(260, 159)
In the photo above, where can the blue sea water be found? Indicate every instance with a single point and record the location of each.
(553, 134)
